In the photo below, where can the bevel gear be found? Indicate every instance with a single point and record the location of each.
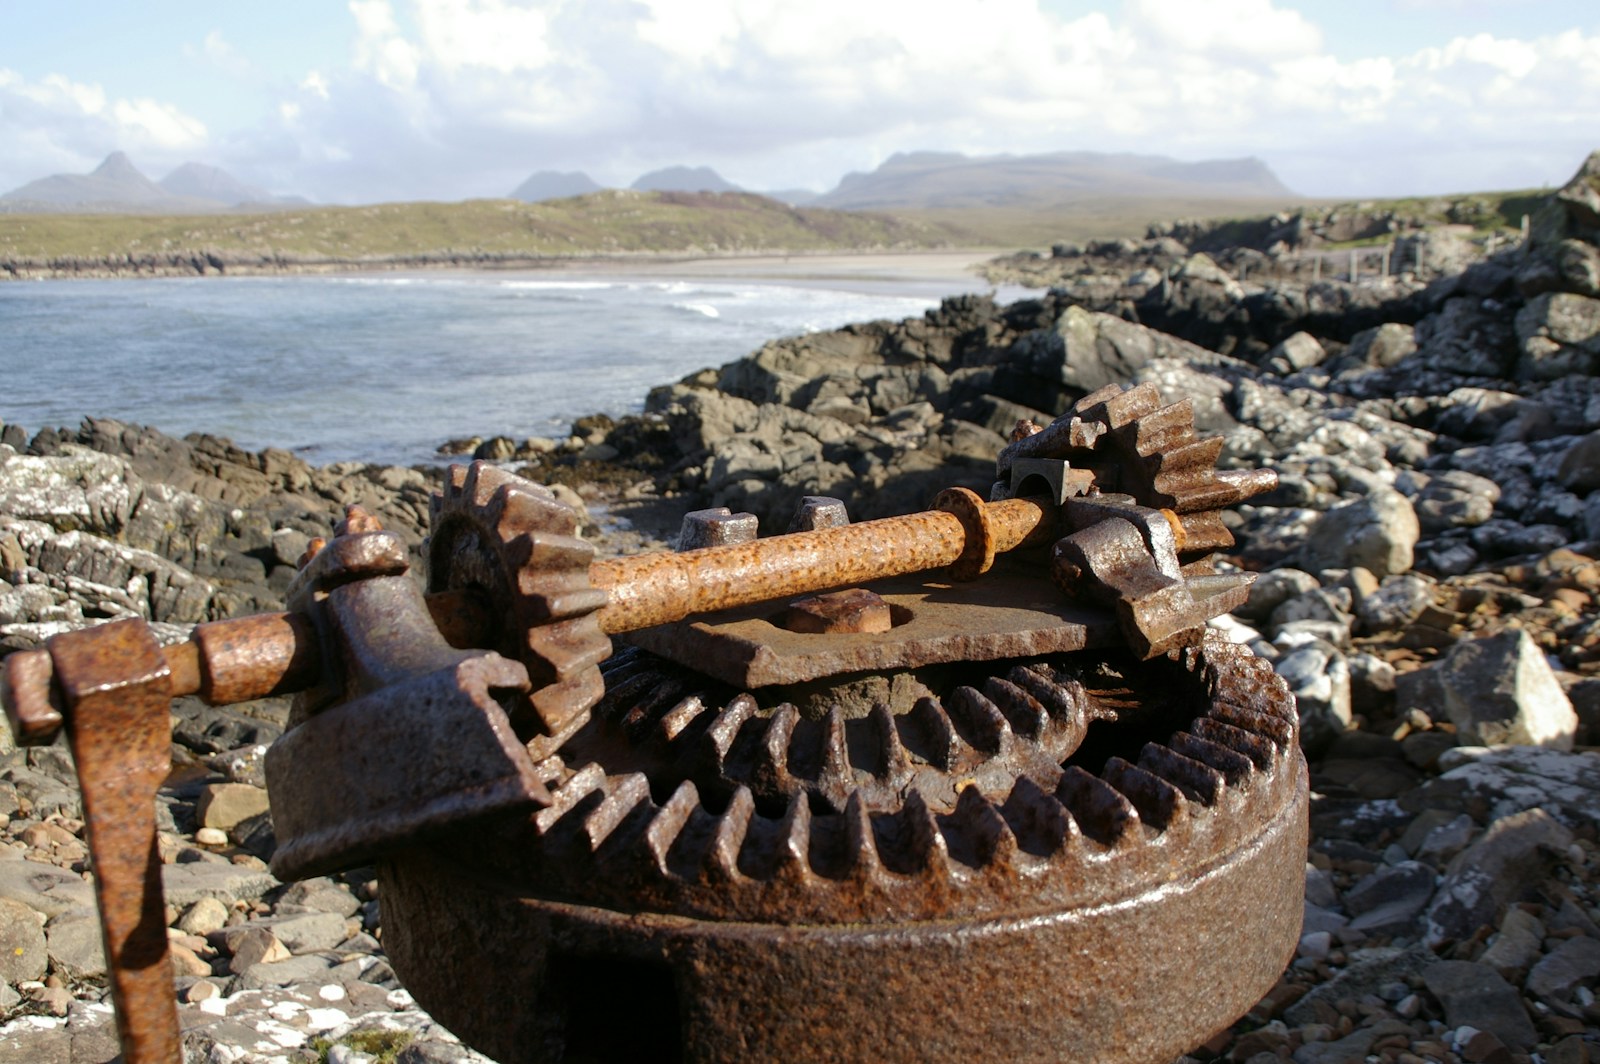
(513, 543)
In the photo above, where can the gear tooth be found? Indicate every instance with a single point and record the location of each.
(1095, 398)
(1040, 823)
(860, 843)
(980, 721)
(1203, 534)
(835, 775)
(1179, 458)
(531, 508)
(935, 733)
(1121, 408)
(669, 822)
(724, 729)
(565, 798)
(645, 702)
(1199, 782)
(977, 834)
(1247, 483)
(1025, 713)
(1270, 725)
(1067, 706)
(1160, 803)
(1168, 427)
(794, 837)
(568, 647)
(679, 717)
(624, 795)
(922, 846)
(454, 477)
(1104, 814)
(483, 482)
(1258, 749)
(722, 861)
(1234, 766)
(893, 764)
(551, 549)
(772, 763)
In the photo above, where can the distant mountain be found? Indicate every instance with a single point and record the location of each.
(116, 185)
(208, 182)
(949, 179)
(685, 179)
(116, 180)
(555, 184)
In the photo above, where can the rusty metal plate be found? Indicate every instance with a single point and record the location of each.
(1010, 613)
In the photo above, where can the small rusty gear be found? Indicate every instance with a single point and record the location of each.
(516, 545)
(1134, 445)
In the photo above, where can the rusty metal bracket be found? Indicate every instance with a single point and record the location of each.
(114, 687)
(421, 740)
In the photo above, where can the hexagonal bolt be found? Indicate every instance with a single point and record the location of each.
(716, 527)
(853, 612)
(819, 511)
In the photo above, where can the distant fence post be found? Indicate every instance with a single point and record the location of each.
(1524, 228)
(1387, 248)
(1417, 247)
(1352, 265)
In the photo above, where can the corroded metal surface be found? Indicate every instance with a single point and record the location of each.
(113, 681)
(767, 929)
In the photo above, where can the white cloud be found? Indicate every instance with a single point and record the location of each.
(55, 124)
(447, 98)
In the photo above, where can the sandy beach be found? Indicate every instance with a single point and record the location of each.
(933, 274)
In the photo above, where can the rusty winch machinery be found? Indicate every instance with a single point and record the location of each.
(972, 783)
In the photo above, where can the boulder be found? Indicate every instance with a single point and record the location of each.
(1516, 852)
(79, 489)
(1474, 995)
(1559, 335)
(23, 953)
(1299, 351)
(1580, 466)
(1382, 346)
(1377, 532)
(1497, 690)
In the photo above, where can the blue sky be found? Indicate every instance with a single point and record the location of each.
(445, 99)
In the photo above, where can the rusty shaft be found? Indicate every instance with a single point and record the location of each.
(651, 589)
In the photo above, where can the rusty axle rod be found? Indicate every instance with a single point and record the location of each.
(962, 532)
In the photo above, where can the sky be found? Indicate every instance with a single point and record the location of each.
(376, 100)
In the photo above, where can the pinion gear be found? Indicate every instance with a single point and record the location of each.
(515, 544)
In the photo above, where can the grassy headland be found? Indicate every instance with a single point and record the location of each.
(483, 233)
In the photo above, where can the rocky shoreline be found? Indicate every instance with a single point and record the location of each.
(1430, 561)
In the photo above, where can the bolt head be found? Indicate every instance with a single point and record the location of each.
(856, 611)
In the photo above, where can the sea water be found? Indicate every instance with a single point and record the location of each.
(384, 368)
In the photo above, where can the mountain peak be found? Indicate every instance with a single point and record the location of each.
(685, 179)
(117, 167)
